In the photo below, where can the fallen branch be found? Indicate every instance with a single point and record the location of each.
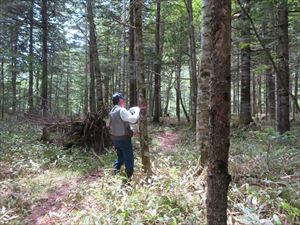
(91, 132)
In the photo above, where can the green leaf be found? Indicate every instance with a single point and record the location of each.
(276, 219)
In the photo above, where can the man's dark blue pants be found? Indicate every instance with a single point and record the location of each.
(125, 155)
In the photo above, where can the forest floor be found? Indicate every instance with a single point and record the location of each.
(46, 184)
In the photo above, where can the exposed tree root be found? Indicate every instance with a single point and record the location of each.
(91, 132)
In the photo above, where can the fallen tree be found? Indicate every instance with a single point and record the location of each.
(91, 132)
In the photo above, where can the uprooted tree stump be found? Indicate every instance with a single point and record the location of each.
(91, 132)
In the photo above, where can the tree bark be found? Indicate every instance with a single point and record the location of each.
(271, 93)
(259, 102)
(219, 114)
(37, 87)
(123, 36)
(245, 111)
(282, 118)
(150, 96)
(193, 67)
(107, 77)
(50, 84)
(86, 72)
(254, 94)
(14, 51)
(157, 66)
(96, 99)
(44, 85)
(67, 104)
(178, 80)
(183, 108)
(131, 58)
(2, 88)
(266, 50)
(92, 98)
(139, 54)
(203, 82)
(296, 86)
(168, 94)
(238, 83)
(30, 66)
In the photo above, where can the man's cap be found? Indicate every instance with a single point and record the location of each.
(116, 96)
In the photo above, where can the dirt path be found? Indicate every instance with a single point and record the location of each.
(53, 207)
(57, 205)
(168, 140)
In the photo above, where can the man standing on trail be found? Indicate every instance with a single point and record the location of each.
(121, 132)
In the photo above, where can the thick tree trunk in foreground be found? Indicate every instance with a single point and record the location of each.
(219, 113)
(139, 54)
(245, 111)
(193, 67)
(157, 66)
(203, 82)
(132, 71)
(282, 118)
(44, 85)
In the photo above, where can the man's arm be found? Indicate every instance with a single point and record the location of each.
(128, 117)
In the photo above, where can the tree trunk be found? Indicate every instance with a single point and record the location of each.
(123, 37)
(19, 99)
(271, 93)
(37, 87)
(50, 84)
(157, 66)
(296, 86)
(67, 104)
(254, 108)
(193, 67)
(283, 121)
(131, 59)
(86, 80)
(259, 100)
(168, 94)
(2, 88)
(150, 93)
(44, 85)
(91, 60)
(95, 72)
(139, 53)
(233, 85)
(219, 114)
(107, 78)
(238, 83)
(14, 45)
(30, 66)
(183, 108)
(245, 111)
(178, 80)
(203, 82)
